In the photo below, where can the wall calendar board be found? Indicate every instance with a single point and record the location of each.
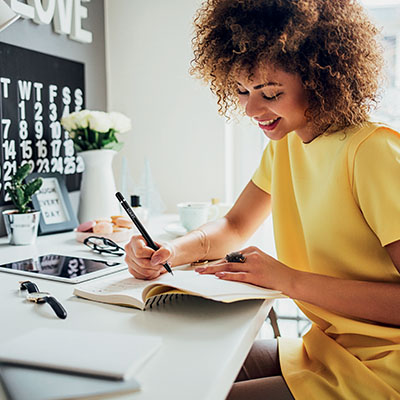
(36, 90)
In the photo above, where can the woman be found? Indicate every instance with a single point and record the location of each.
(306, 72)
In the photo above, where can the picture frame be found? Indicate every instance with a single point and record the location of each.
(52, 199)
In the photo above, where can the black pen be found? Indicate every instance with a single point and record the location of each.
(140, 227)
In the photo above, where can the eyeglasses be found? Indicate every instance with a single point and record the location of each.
(104, 245)
(36, 296)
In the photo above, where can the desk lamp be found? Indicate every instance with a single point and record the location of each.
(7, 15)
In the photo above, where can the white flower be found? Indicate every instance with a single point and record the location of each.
(121, 123)
(75, 120)
(86, 122)
(99, 121)
(81, 119)
(68, 122)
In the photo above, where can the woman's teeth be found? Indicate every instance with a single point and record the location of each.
(270, 122)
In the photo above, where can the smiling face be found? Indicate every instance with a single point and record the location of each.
(277, 103)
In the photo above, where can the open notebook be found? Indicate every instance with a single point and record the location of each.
(123, 289)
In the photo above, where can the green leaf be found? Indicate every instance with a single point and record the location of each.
(107, 141)
(77, 147)
(24, 209)
(100, 139)
(83, 144)
(112, 136)
(11, 192)
(22, 173)
(32, 187)
(114, 146)
(20, 198)
(91, 136)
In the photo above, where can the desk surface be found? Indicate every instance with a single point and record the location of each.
(204, 342)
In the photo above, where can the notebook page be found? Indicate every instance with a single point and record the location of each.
(209, 286)
(122, 284)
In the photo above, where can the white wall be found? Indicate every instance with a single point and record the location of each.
(175, 121)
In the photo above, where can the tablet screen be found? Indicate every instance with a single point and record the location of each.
(63, 268)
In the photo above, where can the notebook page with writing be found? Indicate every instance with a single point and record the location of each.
(123, 289)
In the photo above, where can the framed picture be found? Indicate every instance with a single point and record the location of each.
(52, 200)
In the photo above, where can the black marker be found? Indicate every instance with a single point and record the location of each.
(140, 227)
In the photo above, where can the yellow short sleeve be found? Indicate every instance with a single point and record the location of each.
(376, 183)
(262, 176)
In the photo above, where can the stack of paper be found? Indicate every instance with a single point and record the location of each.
(81, 358)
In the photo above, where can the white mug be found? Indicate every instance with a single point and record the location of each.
(193, 214)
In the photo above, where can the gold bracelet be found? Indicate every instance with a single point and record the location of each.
(205, 245)
(198, 263)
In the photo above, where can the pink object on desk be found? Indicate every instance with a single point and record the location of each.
(86, 226)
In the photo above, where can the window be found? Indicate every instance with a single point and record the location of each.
(386, 15)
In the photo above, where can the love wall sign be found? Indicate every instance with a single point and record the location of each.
(36, 90)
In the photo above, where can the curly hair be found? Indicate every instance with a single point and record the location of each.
(331, 44)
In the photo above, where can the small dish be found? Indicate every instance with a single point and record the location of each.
(175, 229)
(120, 236)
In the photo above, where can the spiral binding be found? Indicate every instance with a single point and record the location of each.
(162, 298)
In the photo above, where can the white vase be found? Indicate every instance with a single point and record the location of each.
(97, 197)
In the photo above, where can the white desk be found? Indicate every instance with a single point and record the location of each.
(204, 342)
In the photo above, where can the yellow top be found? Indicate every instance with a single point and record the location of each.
(335, 203)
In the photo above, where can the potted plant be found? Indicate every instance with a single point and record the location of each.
(22, 223)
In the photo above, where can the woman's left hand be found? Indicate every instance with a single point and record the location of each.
(258, 269)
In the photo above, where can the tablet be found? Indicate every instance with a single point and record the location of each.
(63, 268)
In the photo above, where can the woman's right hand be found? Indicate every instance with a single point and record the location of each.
(144, 262)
